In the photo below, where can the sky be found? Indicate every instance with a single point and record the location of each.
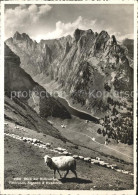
(49, 21)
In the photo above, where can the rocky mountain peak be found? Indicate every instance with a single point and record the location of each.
(17, 35)
(22, 37)
(78, 33)
(103, 33)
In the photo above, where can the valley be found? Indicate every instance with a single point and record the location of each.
(59, 77)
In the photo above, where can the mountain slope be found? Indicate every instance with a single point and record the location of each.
(19, 113)
(20, 84)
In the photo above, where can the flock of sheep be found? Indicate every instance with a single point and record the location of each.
(66, 162)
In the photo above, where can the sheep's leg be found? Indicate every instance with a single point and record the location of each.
(54, 173)
(66, 173)
(74, 173)
(59, 173)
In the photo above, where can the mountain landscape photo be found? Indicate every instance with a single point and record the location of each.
(68, 84)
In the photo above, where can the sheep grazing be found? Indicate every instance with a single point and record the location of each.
(76, 156)
(97, 158)
(132, 174)
(24, 139)
(60, 149)
(125, 172)
(48, 144)
(63, 163)
(114, 166)
(109, 166)
(119, 170)
(96, 161)
(34, 141)
(16, 127)
(81, 157)
(65, 152)
(102, 163)
(63, 126)
(86, 121)
(23, 129)
(51, 123)
(88, 159)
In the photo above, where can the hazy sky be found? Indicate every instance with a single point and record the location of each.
(54, 21)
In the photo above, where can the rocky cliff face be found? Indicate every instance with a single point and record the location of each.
(89, 67)
(19, 84)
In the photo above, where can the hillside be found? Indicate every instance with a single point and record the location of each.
(20, 156)
(19, 113)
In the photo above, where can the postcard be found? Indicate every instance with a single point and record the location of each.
(68, 97)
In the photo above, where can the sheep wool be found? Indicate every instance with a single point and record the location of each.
(63, 163)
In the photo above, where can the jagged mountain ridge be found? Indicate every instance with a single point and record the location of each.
(19, 84)
(78, 64)
(42, 54)
(94, 70)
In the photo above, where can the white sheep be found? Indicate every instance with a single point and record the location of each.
(81, 157)
(65, 152)
(76, 156)
(86, 121)
(59, 149)
(48, 144)
(34, 140)
(125, 172)
(108, 166)
(119, 170)
(97, 158)
(101, 163)
(23, 129)
(106, 143)
(88, 159)
(16, 127)
(24, 139)
(114, 166)
(63, 163)
(63, 126)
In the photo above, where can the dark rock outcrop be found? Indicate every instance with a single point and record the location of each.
(19, 84)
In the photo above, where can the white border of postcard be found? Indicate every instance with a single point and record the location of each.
(64, 192)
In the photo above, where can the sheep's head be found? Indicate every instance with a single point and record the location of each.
(47, 160)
